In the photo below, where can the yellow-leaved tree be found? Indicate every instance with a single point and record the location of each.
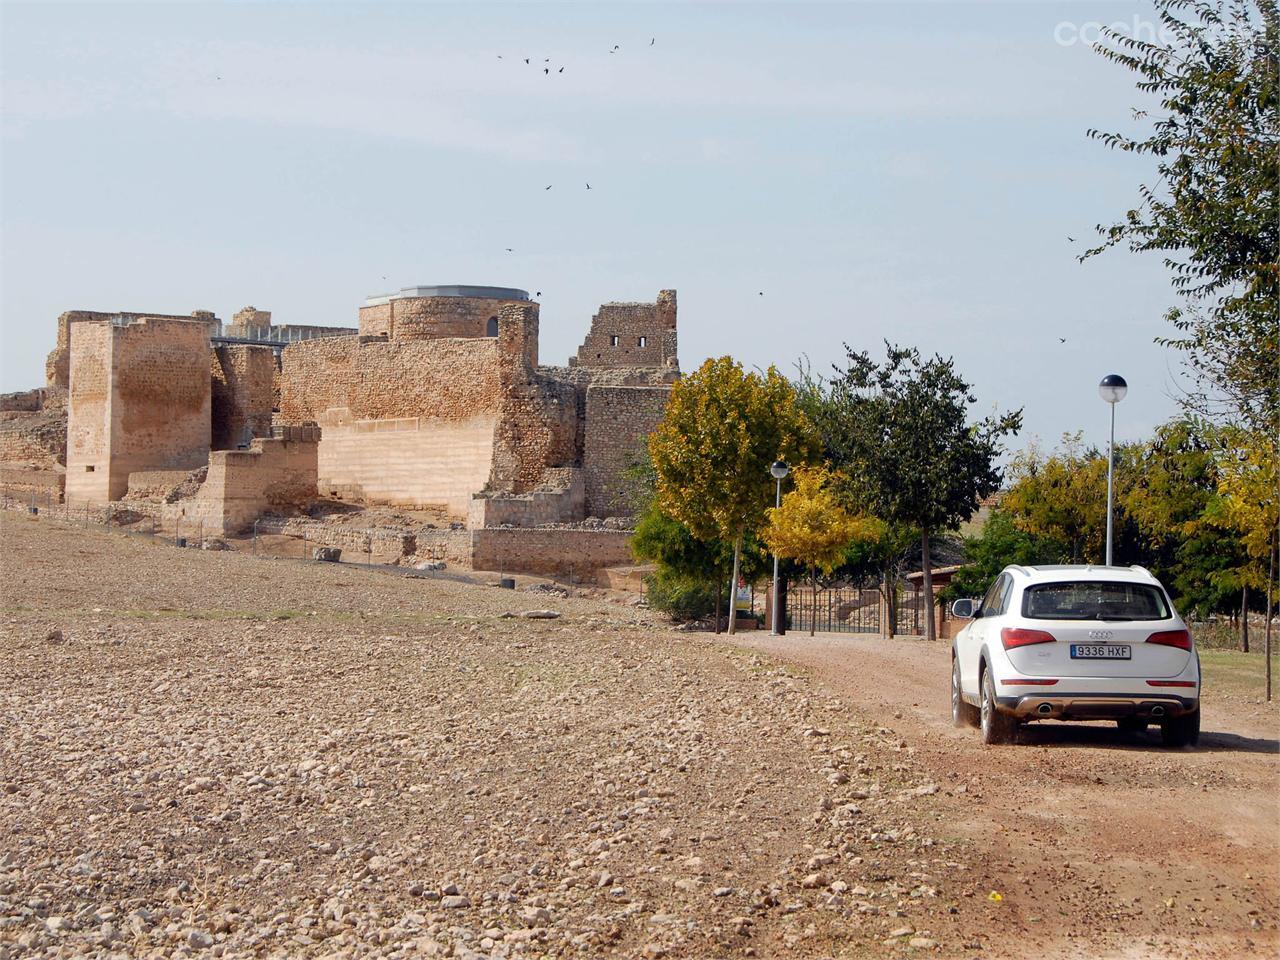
(1249, 488)
(812, 528)
(711, 453)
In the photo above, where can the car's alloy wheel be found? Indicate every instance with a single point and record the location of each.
(996, 727)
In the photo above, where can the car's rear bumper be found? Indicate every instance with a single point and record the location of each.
(1095, 706)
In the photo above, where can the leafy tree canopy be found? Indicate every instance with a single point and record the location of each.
(1214, 213)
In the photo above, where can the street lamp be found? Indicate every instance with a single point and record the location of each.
(1112, 389)
(779, 471)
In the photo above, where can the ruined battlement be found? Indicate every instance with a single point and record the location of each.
(632, 335)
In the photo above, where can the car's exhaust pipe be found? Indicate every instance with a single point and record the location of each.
(1045, 709)
(1157, 711)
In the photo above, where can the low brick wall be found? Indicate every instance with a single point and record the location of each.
(550, 551)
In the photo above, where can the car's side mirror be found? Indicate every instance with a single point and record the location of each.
(964, 609)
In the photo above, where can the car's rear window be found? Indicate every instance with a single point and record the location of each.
(1094, 600)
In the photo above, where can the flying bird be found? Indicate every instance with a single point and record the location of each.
(526, 59)
(549, 186)
(651, 39)
(546, 70)
(762, 293)
(1072, 239)
(588, 186)
(1062, 339)
(538, 293)
(615, 48)
(509, 250)
(561, 70)
(546, 60)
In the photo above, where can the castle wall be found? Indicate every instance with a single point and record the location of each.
(243, 394)
(139, 399)
(403, 422)
(618, 419)
(410, 461)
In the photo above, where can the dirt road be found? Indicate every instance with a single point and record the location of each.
(1096, 843)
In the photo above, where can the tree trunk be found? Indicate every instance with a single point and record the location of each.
(1266, 642)
(719, 584)
(813, 621)
(930, 627)
(1244, 619)
(733, 585)
(891, 607)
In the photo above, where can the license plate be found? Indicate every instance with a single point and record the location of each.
(1101, 651)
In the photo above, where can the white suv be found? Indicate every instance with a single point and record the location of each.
(1075, 643)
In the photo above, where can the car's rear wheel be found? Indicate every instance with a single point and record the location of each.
(1182, 731)
(962, 715)
(996, 726)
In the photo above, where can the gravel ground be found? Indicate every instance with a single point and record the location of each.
(212, 754)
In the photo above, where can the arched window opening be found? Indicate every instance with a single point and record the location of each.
(492, 329)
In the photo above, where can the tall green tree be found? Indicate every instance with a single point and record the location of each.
(900, 432)
(1214, 210)
(722, 429)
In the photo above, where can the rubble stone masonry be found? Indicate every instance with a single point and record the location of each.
(632, 335)
(618, 421)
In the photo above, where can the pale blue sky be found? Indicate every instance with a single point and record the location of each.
(906, 170)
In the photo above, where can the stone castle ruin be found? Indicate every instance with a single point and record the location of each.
(435, 405)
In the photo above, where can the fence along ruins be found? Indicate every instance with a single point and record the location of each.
(437, 401)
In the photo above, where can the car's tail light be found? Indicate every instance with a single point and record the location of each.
(1018, 637)
(1171, 683)
(1029, 682)
(1172, 638)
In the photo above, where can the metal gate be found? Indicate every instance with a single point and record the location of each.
(838, 609)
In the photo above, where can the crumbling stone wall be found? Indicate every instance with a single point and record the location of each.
(632, 335)
(139, 400)
(275, 474)
(38, 438)
(618, 420)
(243, 394)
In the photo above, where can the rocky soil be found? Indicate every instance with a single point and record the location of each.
(214, 754)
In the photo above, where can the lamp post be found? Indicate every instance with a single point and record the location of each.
(779, 471)
(1112, 389)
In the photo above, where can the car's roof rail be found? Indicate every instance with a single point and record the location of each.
(1140, 569)
(1020, 568)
